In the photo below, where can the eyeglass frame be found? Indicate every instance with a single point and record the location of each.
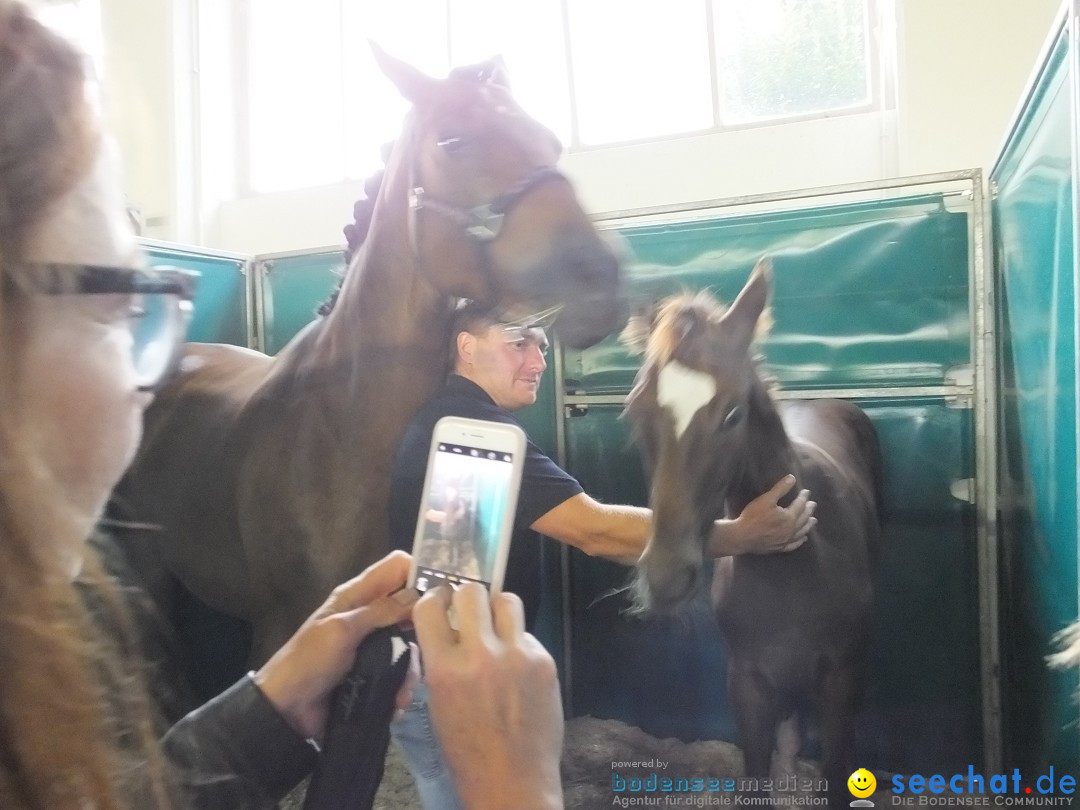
(93, 279)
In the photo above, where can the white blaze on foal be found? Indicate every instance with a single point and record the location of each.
(683, 392)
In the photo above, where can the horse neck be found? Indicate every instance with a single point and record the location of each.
(769, 453)
(383, 348)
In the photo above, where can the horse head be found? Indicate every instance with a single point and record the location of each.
(489, 216)
(689, 410)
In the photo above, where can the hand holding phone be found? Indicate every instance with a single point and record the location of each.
(468, 504)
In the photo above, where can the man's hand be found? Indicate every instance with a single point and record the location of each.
(494, 699)
(765, 527)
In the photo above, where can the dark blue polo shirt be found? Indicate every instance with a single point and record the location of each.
(544, 485)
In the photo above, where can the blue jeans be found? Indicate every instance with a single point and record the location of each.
(414, 735)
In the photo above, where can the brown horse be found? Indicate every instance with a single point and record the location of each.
(796, 624)
(270, 475)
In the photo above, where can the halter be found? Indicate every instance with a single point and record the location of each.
(484, 222)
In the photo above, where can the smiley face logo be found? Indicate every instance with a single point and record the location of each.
(861, 783)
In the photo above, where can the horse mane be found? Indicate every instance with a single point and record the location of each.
(356, 231)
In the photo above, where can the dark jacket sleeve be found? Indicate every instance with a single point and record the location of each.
(237, 752)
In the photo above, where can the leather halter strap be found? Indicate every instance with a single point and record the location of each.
(484, 222)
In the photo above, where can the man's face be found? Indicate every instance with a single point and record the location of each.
(507, 362)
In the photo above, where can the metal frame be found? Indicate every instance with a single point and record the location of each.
(262, 266)
(981, 393)
(1073, 22)
(246, 265)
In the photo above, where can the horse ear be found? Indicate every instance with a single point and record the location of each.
(498, 75)
(413, 84)
(751, 305)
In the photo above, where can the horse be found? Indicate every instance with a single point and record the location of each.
(796, 624)
(269, 476)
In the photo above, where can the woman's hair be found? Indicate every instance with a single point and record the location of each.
(75, 728)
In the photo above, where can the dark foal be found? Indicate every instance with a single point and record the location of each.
(796, 623)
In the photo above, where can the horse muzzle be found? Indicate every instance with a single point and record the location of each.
(666, 582)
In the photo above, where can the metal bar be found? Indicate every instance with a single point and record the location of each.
(261, 268)
(565, 586)
(1074, 82)
(822, 393)
(326, 250)
(966, 175)
(983, 348)
(193, 250)
(252, 302)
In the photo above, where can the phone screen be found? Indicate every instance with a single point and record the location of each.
(463, 515)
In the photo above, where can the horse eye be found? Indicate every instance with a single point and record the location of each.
(733, 417)
(452, 143)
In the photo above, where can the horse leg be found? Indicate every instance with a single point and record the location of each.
(756, 715)
(839, 694)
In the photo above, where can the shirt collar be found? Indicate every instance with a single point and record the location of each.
(463, 385)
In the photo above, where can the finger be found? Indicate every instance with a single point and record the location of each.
(431, 621)
(379, 579)
(473, 606)
(781, 488)
(362, 621)
(800, 501)
(800, 509)
(794, 544)
(508, 617)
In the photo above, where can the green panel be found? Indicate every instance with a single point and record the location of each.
(923, 709)
(1034, 233)
(293, 287)
(221, 301)
(868, 294)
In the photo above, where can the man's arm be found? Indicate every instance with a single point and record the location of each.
(621, 532)
(599, 529)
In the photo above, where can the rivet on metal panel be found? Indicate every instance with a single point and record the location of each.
(963, 489)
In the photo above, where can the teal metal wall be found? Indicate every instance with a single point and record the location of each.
(221, 302)
(868, 297)
(1034, 235)
(290, 289)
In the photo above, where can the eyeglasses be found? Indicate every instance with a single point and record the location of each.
(158, 318)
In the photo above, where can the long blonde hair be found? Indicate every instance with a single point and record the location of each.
(75, 729)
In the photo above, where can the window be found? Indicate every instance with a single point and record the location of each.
(597, 72)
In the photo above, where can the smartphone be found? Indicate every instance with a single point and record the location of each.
(468, 504)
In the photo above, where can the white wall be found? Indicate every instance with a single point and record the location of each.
(963, 65)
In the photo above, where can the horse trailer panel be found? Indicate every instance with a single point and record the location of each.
(869, 294)
(289, 288)
(221, 300)
(1034, 236)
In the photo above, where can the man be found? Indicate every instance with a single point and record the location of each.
(497, 370)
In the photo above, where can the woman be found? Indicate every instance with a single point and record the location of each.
(76, 729)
